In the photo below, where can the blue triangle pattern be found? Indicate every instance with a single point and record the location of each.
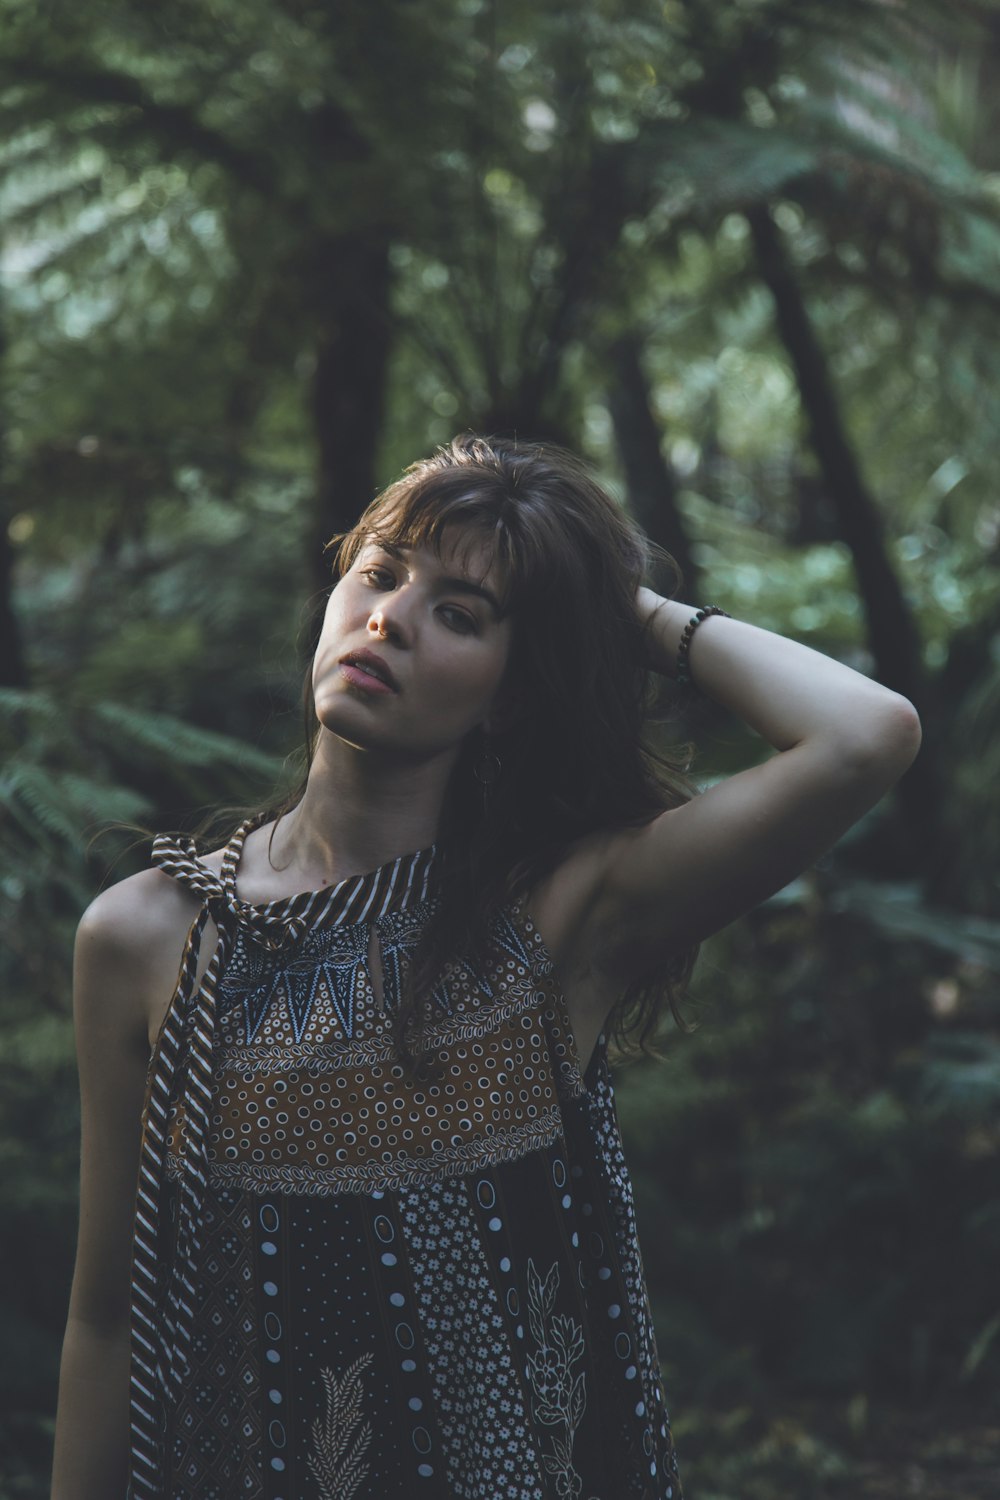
(441, 997)
(256, 1004)
(341, 985)
(333, 962)
(479, 981)
(398, 933)
(509, 939)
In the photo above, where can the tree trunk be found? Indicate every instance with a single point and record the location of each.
(349, 387)
(649, 479)
(892, 635)
(13, 672)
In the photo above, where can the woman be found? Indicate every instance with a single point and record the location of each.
(383, 1241)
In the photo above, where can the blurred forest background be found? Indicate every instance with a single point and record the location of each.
(745, 256)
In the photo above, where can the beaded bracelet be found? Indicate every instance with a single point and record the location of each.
(683, 674)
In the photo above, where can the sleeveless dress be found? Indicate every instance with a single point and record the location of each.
(348, 1286)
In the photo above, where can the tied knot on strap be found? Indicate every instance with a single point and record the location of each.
(178, 857)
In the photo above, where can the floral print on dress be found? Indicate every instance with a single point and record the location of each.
(559, 1395)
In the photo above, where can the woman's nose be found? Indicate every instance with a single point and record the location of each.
(384, 621)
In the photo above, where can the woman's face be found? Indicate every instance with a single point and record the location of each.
(432, 624)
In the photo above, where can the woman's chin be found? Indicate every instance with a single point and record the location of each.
(346, 729)
(344, 711)
(342, 734)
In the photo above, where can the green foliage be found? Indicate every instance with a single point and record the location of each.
(66, 770)
(816, 1165)
(816, 1179)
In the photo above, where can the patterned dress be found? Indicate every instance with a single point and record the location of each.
(348, 1286)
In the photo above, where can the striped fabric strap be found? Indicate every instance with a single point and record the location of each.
(162, 1307)
(195, 1097)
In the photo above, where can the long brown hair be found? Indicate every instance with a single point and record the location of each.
(579, 757)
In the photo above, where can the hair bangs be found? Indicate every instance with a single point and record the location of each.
(417, 512)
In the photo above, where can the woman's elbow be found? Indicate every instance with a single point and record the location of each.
(893, 738)
(907, 731)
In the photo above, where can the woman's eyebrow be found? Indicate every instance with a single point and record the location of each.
(451, 585)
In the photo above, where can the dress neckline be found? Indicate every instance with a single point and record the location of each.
(395, 885)
(233, 852)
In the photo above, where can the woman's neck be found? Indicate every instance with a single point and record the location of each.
(357, 813)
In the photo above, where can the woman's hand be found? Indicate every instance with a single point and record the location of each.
(663, 622)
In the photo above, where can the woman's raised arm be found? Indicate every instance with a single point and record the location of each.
(842, 741)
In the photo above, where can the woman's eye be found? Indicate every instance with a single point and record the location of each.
(460, 620)
(456, 619)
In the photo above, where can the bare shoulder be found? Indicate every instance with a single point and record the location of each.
(129, 945)
(138, 912)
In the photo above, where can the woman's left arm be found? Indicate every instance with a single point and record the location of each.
(842, 742)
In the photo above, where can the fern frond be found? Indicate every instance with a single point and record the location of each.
(41, 793)
(897, 910)
(97, 801)
(31, 705)
(175, 740)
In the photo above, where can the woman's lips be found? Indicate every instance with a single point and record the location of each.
(358, 677)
